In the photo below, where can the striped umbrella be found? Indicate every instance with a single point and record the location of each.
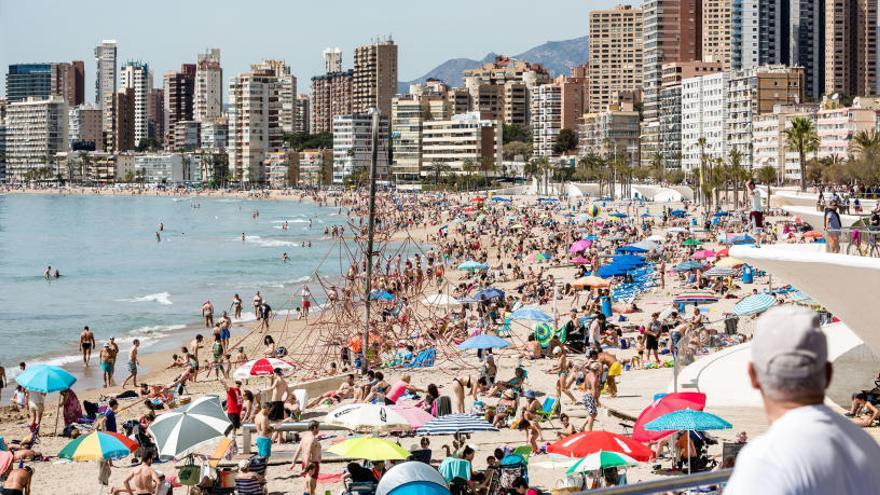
(696, 296)
(801, 297)
(688, 266)
(455, 423)
(98, 445)
(601, 460)
(720, 271)
(753, 305)
(261, 367)
(186, 428)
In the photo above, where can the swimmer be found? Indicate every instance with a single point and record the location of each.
(242, 237)
(158, 237)
(47, 274)
(285, 258)
(57, 274)
(161, 227)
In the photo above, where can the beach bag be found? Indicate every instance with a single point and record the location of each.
(443, 406)
(189, 475)
(512, 467)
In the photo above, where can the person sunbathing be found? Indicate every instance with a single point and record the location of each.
(345, 391)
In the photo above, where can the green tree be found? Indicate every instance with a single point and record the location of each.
(148, 144)
(866, 141)
(766, 175)
(516, 132)
(300, 141)
(802, 137)
(516, 148)
(566, 140)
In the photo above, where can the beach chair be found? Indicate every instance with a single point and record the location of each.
(248, 487)
(524, 451)
(549, 408)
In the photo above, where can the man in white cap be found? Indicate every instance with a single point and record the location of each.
(809, 448)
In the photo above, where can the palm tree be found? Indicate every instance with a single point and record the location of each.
(468, 167)
(438, 168)
(865, 141)
(736, 173)
(802, 137)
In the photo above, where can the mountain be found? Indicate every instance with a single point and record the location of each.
(557, 56)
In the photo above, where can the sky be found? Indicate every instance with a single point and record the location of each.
(167, 33)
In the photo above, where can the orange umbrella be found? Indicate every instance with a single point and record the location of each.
(591, 281)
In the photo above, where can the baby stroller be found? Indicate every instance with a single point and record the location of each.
(511, 467)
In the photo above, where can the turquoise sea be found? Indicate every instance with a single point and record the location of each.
(118, 279)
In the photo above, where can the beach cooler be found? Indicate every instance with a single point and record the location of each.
(748, 274)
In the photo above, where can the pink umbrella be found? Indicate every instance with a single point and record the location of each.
(580, 260)
(415, 416)
(704, 254)
(580, 245)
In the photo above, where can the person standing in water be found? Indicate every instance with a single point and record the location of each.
(2, 382)
(161, 227)
(158, 237)
(86, 344)
(236, 306)
(242, 237)
(48, 273)
(285, 258)
(208, 314)
(132, 364)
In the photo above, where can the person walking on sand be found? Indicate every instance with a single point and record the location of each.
(310, 448)
(194, 346)
(106, 366)
(208, 313)
(114, 352)
(132, 364)
(263, 432)
(306, 301)
(258, 301)
(86, 344)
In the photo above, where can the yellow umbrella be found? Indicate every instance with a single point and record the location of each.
(371, 449)
(730, 262)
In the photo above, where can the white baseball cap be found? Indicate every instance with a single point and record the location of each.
(789, 342)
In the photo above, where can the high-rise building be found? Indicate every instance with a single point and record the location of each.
(408, 113)
(670, 107)
(770, 148)
(807, 43)
(332, 60)
(2, 140)
(254, 122)
(156, 114)
(352, 147)
(84, 128)
(703, 122)
(138, 77)
(745, 34)
(42, 80)
(375, 76)
(616, 57)
(716, 32)
(215, 135)
(331, 97)
(36, 130)
(463, 138)
(303, 112)
(105, 86)
(68, 81)
(208, 92)
(555, 106)
(124, 120)
(286, 91)
(851, 47)
(501, 89)
(611, 132)
(837, 126)
(179, 91)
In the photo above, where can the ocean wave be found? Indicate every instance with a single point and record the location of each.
(259, 241)
(292, 220)
(157, 329)
(162, 298)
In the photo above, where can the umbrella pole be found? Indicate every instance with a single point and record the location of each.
(57, 410)
(689, 450)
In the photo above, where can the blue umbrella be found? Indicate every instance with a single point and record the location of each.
(483, 341)
(533, 314)
(632, 248)
(741, 239)
(753, 305)
(629, 259)
(455, 423)
(688, 266)
(721, 214)
(678, 213)
(45, 378)
(688, 420)
(646, 215)
(472, 265)
(489, 294)
(591, 237)
(501, 199)
(617, 215)
(381, 295)
(613, 270)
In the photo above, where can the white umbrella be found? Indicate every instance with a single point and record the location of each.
(367, 417)
(184, 429)
(441, 300)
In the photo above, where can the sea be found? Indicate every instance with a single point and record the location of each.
(120, 280)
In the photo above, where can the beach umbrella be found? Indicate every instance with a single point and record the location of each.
(691, 242)
(646, 215)
(483, 341)
(689, 266)
(370, 448)
(588, 442)
(718, 214)
(501, 199)
(471, 265)
(367, 418)
(543, 333)
(647, 245)
(98, 445)
(613, 270)
(720, 271)
(594, 210)
(441, 300)
(488, 294)
(628, 259)
(632, 248)
(678, 213)
(381, 295)
(579, 260)
(555, 461)
(580, 245)
(688, 420)
(740, 239)
(703, 254)
(591, 281)
(533, 314)
(453, 467)
(455, 423)
(617, 214)
(262, 367)
(415, 416)
(478, 199)
(723, 253)
(601, 460)
(665, 404)
(695, 297)
(729, 262)
(182, 430)
(412, 478)
(45, 378)
(753, 305)
(591, 238)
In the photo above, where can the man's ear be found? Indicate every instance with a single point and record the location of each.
(753, 376)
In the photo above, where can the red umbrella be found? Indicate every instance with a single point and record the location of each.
(664, 405)
(588, 442)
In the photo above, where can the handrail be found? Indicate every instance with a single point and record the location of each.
(664, 485)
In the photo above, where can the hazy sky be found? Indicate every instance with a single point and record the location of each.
(167, 33)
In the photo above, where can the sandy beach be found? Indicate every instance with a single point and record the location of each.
(314, 343)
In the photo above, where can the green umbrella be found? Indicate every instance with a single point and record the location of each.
(601, 460)
(691, 242)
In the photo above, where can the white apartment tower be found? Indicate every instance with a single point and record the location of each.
(254, 130)
(286, 92)
(703, 119)
(36, 130)
(332, 60)
(137, 76)
(352, 147)
(208, 98)
(105, 82)
(546, 118)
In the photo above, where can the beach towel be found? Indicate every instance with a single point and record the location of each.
(72, 409)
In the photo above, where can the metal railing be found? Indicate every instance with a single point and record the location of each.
(677, 484)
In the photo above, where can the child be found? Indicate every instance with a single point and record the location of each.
(227, 365)
(18, 398)
(636, 361)
(299, 313)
